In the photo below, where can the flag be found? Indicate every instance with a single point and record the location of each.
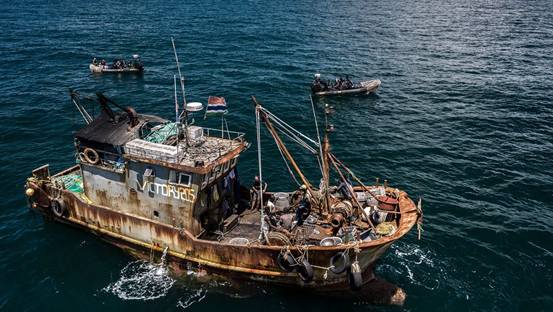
(216, 105)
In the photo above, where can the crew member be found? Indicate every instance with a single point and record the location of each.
(304, 206)
(349, 84)
(345, 188)
(254, 193)
(317, 78)
(316, 86)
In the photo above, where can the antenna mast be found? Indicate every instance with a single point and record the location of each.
(177, 123)
(183, 93)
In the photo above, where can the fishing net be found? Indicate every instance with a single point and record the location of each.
(73, 182)
(162, 134)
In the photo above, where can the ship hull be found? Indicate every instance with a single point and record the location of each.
(140, 237)
(104, 69)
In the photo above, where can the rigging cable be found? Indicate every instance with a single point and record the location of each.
(288, 166)
(276, 119)
(318, 137)
(291, 134)
(258, 131)
(296, 139)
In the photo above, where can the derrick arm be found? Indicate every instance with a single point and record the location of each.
(282, 147)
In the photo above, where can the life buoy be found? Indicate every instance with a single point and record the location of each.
(58, 208)
(305, 271)
(286, 262)
(339, 263)
(91, 156)
(354, 276)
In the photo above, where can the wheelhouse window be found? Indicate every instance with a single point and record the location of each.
(180, 178)
(184, 179)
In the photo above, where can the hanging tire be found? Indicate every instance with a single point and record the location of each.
(58, 208)
(91, 156)
(339, 263)
(354, 276)
(305, 271)
(286, 262)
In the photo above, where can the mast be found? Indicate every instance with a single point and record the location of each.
(183, 94)
(177, 124)
(260, 191)
(323, 151)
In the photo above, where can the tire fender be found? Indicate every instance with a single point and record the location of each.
(286, 262)
(339, 263)
(58, 208)
(305, 271)
(354, 276)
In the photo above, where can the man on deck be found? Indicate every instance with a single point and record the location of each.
(345, 188)
(255, 201)
(304, 205)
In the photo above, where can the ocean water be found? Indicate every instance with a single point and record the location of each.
(464, 119)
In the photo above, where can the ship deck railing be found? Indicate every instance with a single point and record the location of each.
(224, 134)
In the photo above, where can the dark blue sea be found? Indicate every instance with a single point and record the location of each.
(464, 119)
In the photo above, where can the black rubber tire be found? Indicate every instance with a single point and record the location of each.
(286, 262)
(335, 266)
(355, 277)
(58, 208)
(305, 271)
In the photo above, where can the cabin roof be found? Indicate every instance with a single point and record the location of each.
(117, 131)
(201, 155)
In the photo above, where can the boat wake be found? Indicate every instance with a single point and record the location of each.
(142, 280)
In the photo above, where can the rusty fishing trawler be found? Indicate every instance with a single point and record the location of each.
(147, 184)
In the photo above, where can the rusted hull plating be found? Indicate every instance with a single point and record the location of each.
(253, 262)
